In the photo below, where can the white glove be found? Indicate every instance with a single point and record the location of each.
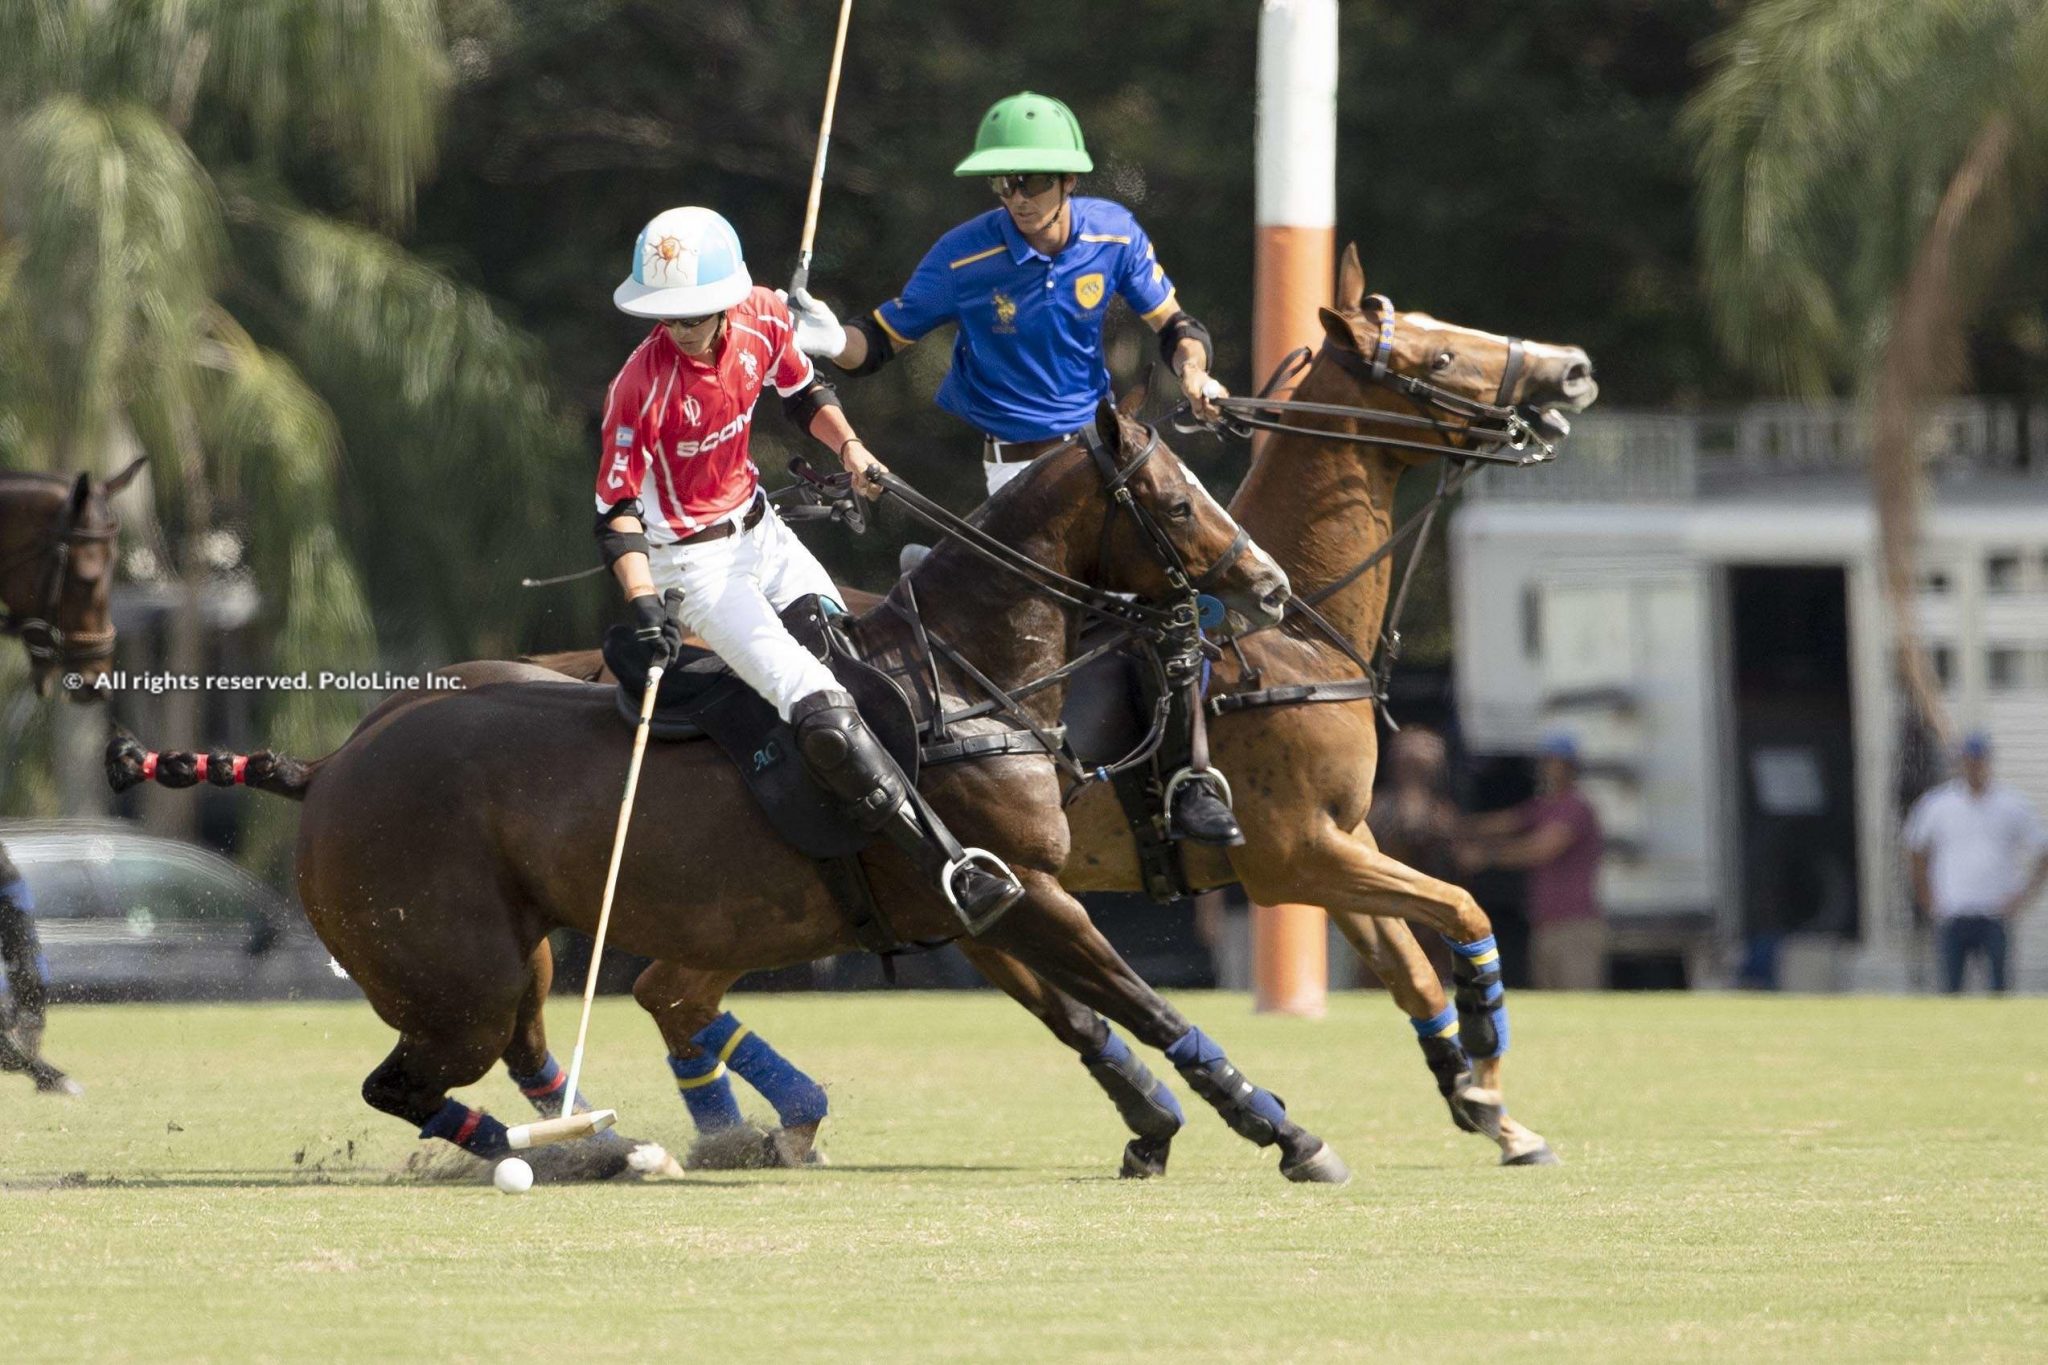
(817, 327)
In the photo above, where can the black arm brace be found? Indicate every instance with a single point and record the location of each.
(1180, 326)
(881, 350)
(803, 406)
(615, 545)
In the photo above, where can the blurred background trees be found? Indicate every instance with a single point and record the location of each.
(343, 267)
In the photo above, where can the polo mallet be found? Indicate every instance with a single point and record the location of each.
(569, 1125)
(802, 276)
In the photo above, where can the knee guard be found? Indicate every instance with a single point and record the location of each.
(1480, 996)
(1146, 1106)
(844, 756)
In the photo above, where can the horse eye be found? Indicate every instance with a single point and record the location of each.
(1443, 361)
(1184, 510)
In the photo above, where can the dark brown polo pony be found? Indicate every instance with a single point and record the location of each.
(57, 571)
(454, 830)
(1303, 774)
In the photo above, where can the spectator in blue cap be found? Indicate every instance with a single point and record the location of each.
(1555, 837)
(1978, 855)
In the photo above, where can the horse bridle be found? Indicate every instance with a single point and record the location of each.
(1172, 633)
(1152, 620)
(1485, 429)
(38, 630)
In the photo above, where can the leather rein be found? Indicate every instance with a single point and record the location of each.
(1486, 430)
(1174, 626)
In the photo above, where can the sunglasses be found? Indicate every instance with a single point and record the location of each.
(691, 322)
(1030, 186)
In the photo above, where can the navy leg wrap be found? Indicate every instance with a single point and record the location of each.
(472, 1130)
(1147, 1107)
(1442, 1050)
(543, 1089)
(706, 1092)
(1482, 999)
(798, 1099)
(1250, 1111)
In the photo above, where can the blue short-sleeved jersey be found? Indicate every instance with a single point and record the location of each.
(1027, 361)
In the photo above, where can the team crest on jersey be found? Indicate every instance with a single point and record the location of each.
(1006, 312)
(1088, 289)
(692, 410)
(750, 365)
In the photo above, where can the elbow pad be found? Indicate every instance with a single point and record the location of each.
(881, 350)
(616, 544)
(1181, 326)
(803, 406)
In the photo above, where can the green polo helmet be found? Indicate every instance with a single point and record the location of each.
(1027, 132)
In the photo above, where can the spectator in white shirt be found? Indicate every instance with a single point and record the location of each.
(1979, 855)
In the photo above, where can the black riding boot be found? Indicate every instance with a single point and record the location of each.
(1201, 815)
(844, 756)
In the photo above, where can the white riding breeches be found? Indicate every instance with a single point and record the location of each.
(733, 589)
(1000, 474)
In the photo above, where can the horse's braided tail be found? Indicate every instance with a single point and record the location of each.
(129, 765)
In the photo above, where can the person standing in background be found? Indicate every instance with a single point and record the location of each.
(1978, 855)
(1555, 837)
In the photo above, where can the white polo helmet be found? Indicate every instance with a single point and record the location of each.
(686, 264)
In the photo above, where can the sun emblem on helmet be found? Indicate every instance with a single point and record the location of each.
(666, 257)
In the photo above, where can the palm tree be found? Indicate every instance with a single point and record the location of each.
(1866, 169)
(195, 208)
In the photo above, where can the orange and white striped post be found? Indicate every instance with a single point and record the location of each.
(1294, 273)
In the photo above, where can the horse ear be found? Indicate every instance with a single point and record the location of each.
(1132, 403)
(1338, 329)
(81, 494)
(125, 477)
(1350, 280)
(1109, 426)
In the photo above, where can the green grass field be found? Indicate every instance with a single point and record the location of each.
(1745, 1178)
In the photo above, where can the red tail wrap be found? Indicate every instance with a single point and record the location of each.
(241, 767)
(149, 767)
(199, 766)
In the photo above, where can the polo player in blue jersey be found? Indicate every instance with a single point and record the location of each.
(1028, 286)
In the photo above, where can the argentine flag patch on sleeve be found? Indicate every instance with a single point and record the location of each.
(624, 437)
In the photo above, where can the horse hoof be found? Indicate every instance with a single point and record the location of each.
(1145, 1158)
(1322, 1167)
(652, 1161)
(59, 1084)
(1478, 1111)
(795, 1147)
(742, 1148)
(1539, 1155)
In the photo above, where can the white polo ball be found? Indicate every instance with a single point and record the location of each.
(513, 1176)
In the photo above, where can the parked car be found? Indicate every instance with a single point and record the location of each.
(129, 916)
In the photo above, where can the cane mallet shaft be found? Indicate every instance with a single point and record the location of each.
(802, 277)
(571, 1124)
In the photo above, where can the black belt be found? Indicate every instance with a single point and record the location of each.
(994, 451)
(725, 528)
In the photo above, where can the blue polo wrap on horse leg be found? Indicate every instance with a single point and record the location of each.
(1250, 1111)
(472, 1130)
(1482, 999)
(1147, 1107)
(798, 1099)
(706, 1091)
(543, 1089)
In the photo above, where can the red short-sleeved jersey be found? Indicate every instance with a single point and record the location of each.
(675, 427)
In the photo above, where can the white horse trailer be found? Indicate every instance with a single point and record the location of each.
(1698, 600)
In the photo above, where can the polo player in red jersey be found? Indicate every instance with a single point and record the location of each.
(680, 505)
